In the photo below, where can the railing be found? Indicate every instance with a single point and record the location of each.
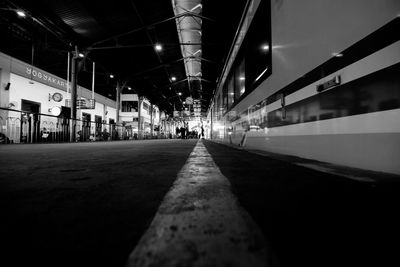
(18, 126)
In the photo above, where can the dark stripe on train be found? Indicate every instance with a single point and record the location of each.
(378, 91)
(381, 38)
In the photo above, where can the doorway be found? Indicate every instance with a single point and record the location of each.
(30, 121)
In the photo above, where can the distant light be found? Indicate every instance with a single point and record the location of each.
(231, 93)
(129, 88)
(242, 90)
(184, 102)
(158, 47)
(55, 111)
(265, 47)
(111, 76)
(179, 93)
(335, 54)
(242, 78)
(21, 13)
(81, 55)
(173, 79)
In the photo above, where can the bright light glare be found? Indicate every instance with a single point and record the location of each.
(158, 47)
(81, 55)
(129, 88)
(111, 76)
(242, 78)
(173, 79)
(265, 47)
(21, 13)
(179, 93)
(335, 54)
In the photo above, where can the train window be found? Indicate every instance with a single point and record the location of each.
(372, 93)
(252, 64)
(257, 47)
(240, 79)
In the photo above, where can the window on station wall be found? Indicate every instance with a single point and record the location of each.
(146, 107)
(129, 106)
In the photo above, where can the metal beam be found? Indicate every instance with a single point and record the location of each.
(143, 45)
(148, 26)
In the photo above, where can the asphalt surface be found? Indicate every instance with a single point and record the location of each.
(88, 204)
(82, 204)
(312, 218)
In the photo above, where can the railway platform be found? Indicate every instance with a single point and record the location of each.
(190, 203)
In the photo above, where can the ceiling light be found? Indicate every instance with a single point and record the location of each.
(265, 47)
(21, 13)
(173, 79)
(129, 88)
(81, 55)
(111, 76)
(242, 78)
(158, 47)
(179, 93)
(184, 102)
(196, 7)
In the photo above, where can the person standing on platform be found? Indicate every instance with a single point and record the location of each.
(183, 132)
(202, 132)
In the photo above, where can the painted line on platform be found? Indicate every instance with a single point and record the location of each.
(200, 223)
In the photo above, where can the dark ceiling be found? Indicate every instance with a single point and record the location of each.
(119, 36)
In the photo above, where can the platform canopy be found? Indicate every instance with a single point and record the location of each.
(158, 48)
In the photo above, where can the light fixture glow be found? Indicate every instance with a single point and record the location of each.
(335, 54)
(81, 55)
(158, 47)
(129, 88)
(173, 79)
(179, 93)
(242, 78)
(21, 13)
(242, 90)
(265, 47)
(259, 76)
(111, 76)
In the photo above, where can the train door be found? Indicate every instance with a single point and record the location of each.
(86, 118)
(29, 121)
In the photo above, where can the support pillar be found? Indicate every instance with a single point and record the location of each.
(74, 83)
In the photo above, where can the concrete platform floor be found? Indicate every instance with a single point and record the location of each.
(91, 204)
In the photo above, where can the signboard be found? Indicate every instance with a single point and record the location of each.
(189, 100)
(82, 103)
(197, 108)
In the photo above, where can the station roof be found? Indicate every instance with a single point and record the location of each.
(120, 37)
